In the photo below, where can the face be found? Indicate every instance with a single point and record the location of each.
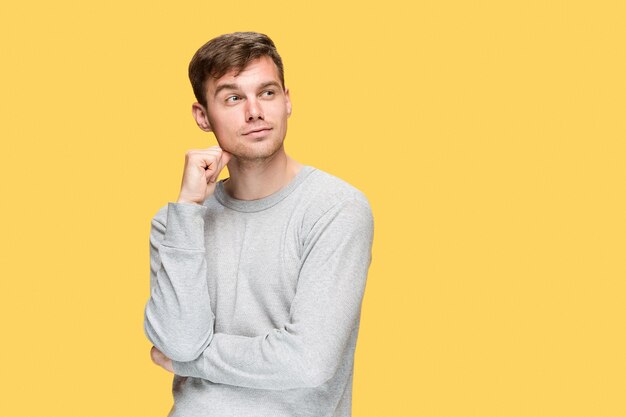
(248, 113)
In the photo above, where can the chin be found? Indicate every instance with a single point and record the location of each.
(257, 151)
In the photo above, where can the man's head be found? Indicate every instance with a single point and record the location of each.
(239, 84)
(232, 51)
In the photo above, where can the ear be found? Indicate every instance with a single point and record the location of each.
(287, 102)
(201, 116)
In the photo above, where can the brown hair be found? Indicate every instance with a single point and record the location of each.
(227, 52)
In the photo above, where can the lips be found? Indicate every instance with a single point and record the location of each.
(258, 129)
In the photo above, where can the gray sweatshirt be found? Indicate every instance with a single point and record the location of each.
(257, 302)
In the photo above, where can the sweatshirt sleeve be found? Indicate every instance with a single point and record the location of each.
(178, 319)
(324, 313)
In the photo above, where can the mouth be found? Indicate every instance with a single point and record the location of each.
(259, 130)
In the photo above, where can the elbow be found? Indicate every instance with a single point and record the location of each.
(315, 375)
(309, 365)
(176, 346)
(314, 378)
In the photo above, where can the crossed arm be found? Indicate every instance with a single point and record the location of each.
(324, 313)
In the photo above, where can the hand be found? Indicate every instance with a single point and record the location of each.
(160, 359)
(202, 167)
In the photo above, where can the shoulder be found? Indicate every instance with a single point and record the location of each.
(326, 194)
(325, 188)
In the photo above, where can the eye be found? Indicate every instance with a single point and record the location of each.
(269, 93)
(232, 99)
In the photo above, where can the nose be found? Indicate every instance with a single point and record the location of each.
(253, 110)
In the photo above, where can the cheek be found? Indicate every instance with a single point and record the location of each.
(228, 124)
(280, 113)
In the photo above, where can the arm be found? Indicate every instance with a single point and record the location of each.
(324, 313)
(178, 317)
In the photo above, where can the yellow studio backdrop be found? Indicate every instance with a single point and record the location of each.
(488, 135)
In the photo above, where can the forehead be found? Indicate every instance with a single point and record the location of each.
(257, 71)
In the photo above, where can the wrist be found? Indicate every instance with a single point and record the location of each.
(182, 200)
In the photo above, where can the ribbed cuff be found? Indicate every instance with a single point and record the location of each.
(185, 226)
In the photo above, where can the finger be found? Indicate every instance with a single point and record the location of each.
(215, 169)
(155, 355)
(202, 161)
(207, 160)
(215, 174)
(225, 157)
(167, 365)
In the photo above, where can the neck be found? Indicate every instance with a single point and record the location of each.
(254, 179)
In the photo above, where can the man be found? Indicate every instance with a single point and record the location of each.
(256, 281)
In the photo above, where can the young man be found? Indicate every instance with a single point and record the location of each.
(256, 281)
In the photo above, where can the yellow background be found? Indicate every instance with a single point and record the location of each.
(488, 135)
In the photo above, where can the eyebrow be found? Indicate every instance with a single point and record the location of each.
(230, 86)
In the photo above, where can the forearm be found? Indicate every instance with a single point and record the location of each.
(275, 361)
(178, 316)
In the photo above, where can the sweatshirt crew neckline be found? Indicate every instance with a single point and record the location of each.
(262, 203)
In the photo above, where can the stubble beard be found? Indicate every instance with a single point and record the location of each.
(256, 153)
